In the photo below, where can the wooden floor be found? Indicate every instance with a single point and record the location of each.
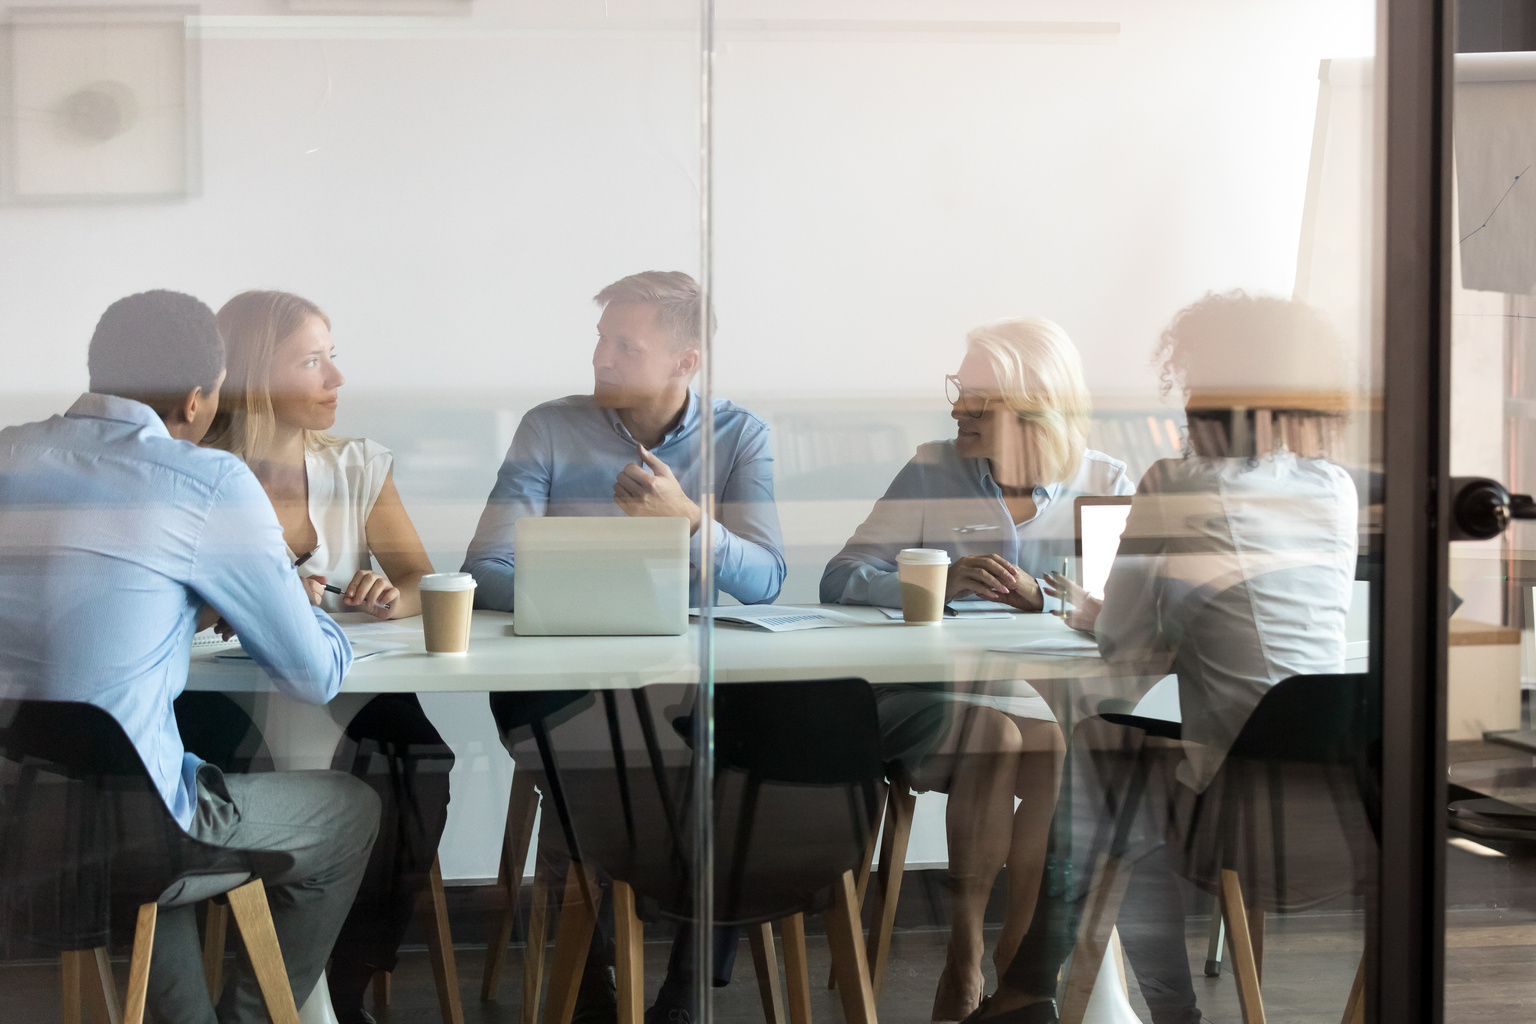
(1308, 965)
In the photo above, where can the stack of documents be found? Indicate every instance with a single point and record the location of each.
(1073, 645)
(781, 618)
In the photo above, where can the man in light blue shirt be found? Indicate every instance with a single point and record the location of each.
(118, 538)
(632, 448)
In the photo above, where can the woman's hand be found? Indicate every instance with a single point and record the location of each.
(210, 617)
(371, 593)
(314, 588)
(996, 579)
(1085, 607)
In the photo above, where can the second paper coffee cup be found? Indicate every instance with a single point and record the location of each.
(924, 577)
(447, 599)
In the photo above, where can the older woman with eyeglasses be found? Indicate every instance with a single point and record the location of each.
(998, 498)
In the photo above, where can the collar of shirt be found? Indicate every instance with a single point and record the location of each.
(686, 423)
(125, 410)
(1043, 494)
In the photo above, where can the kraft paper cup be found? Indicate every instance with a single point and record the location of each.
(447, 599)
(924, 578)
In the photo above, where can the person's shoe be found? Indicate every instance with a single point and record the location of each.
(673, 1005)
(1043, 1012)
(597, 1001)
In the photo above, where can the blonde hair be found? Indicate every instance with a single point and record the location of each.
(1041, 376)
(253, 324)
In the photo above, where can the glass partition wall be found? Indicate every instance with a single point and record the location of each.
(891, 495)
(1081, 303)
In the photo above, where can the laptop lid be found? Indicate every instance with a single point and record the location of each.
(600, 576)
(1098, 521)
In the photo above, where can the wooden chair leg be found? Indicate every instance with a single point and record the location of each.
(100, 989)
(866, 866)
(254, 919)
(521, 810)
(382, 989)
(1213, 942)
(215, 934)
(138, 967)
(578, 916)
(629, 956)
(71, 976)
(1244, 967)
(846, 938)
(1256, 937)
(765, 960)
(902, 802)
(1354, 1009)
(1105, 895)
(445, 970)
(533, 954)
(797, 975)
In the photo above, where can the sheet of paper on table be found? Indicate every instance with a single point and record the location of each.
(375, 630)
(360, 649)
(782, 618)
(1073, 646)
(992, 610)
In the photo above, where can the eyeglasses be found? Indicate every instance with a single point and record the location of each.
(967, 401)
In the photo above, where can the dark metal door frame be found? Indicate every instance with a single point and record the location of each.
(1406, 931)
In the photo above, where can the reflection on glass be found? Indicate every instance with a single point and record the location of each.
(965, 730)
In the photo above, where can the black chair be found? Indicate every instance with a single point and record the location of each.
(1307, 746)
(797, 795)
(519, 716)
(81, 823)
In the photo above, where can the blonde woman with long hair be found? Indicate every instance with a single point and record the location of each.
(343, 521)
(998, 498)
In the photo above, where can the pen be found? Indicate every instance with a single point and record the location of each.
(326, 586)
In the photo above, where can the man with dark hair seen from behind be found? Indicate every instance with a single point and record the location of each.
(191, 531)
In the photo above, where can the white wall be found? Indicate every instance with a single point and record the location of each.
(453, 188)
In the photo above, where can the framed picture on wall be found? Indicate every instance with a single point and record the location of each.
(100, 105)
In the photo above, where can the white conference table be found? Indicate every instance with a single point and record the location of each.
(880, 650)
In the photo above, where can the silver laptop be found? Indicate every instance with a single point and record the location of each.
(600, 576)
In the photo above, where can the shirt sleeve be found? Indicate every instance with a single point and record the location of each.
(1129, 626)
(748, 544)
(239, 566)
(522, 489)
(864, 572)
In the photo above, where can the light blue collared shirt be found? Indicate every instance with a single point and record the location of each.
(113, 535)
(565, 458)
(940, 500)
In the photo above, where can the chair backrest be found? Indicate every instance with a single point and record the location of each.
(81, 819)
(797, 792)
(1322, 719)
(824, 732)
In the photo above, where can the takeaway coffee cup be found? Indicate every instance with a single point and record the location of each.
(447, 598)
(924, 576)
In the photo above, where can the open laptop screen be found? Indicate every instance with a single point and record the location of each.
(1098, 521)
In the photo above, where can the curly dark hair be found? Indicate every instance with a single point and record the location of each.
(1240, 335)
(1210, 327)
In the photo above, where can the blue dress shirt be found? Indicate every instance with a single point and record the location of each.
(565, 458)
(940, 500)
(113, 535)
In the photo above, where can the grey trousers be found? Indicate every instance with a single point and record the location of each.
(325, 822)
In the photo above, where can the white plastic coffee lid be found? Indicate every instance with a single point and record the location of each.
(447, 581)
(923, 556)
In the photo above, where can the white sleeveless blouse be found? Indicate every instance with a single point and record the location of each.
(344, 484)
